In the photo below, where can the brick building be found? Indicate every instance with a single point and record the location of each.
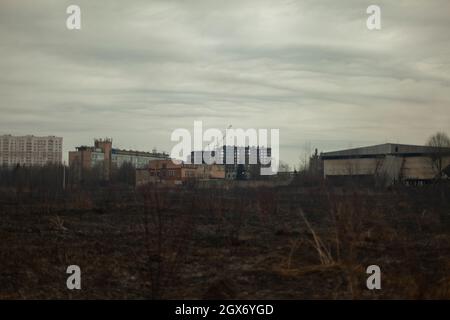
(170, 173)
(102, 155)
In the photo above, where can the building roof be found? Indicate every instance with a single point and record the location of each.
(140, 153)
(85, 148)
(383, 149)
(28, 136)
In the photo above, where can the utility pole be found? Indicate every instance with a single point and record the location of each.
(64, 176)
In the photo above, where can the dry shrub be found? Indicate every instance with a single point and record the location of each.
(323, 251)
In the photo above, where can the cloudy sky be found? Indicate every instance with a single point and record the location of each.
(138, 69)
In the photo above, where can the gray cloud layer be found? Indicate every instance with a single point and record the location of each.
(139, 69)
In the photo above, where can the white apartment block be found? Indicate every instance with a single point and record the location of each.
(30, 150)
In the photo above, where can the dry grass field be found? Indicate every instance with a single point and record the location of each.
(287, 242)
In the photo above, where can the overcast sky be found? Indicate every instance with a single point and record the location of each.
(137, 70)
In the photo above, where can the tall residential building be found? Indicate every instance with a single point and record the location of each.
(233, 155)
(239, 161)
(30, 150)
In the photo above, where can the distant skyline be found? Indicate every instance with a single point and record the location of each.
(139, 69)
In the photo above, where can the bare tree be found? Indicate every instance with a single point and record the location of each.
(441, 147)
(284, 167)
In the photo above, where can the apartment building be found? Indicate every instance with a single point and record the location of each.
(30, 150)
(239, 162)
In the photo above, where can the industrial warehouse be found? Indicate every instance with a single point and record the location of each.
(388, 163)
